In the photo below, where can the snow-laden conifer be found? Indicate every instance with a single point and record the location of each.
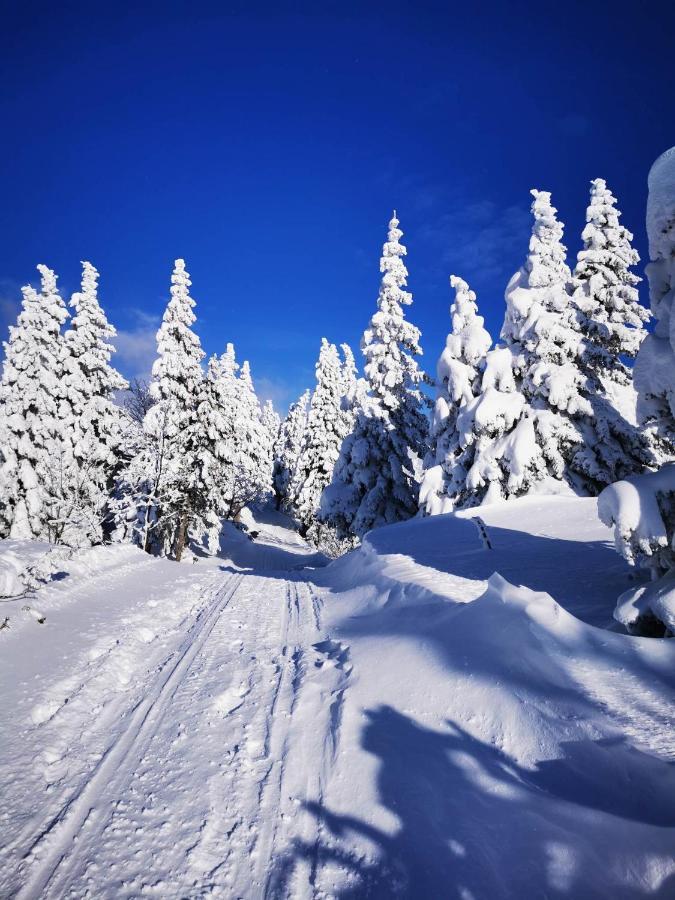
(89, 385)
(326, 429)
(390, 346)
(605, 288)
(611, 320)
(376, 480)
(458, 377)
(542, 333)
(174, 484)
(34, 418)
(288, 448)
(254, 482)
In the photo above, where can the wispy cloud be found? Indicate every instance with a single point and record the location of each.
(137, 346)
(281, 392)
(480, 239)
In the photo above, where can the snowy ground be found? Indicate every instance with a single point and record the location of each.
(389, 725)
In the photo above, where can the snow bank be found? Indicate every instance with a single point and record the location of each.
(490, 739)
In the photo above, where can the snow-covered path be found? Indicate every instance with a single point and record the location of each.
(253, 727)
(224, 706)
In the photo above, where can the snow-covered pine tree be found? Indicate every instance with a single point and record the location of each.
(271, 423)
(390, 346)
(542, 333)
(254, 466)
(217, 413)
(326, 429)
(458, 382)
(89, 385)
(611, 320)
(376, 480)
(288, 448)
(605, 291)
(34, 421)
(177, 501)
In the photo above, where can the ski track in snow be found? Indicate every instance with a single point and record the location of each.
(228, 708)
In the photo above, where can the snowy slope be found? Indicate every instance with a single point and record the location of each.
(398, 723)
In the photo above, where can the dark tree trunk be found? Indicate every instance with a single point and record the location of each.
(181, 536)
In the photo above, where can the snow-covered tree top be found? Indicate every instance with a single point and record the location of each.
(177, 369)
(545, 264)
(390, 341)
(607, 244)
(469, 340)
(87, 339)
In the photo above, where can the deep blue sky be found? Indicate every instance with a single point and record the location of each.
(268, 144)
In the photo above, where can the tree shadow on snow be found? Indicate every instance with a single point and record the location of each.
(472, 823)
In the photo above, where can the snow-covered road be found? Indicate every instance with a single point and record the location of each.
(254, 727)
(179, 768)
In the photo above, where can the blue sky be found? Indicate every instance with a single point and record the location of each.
(268, 144)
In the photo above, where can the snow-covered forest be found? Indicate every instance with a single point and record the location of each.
(554, 405)
(418, 645)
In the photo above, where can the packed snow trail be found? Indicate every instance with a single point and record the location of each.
(188, 790)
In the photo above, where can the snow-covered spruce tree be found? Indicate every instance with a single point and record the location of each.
(376, 479)
(34, 419)
(605, 291)
(541, 330)
(89, 385)
(327, 427)
(497, 441)
(288, 448)
(642, 508)
(218, 417)
(253, 482)
(458, 382)
(271, 422)
(611, 320)
(174, 487)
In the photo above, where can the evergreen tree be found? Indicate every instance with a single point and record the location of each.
(611, 320)
(390, 346)
(254, 463)
(34, 419)
(605, 293)
(288, 448)
(89, 385)
(326, 429)
(459, 372)
(174, 483)
(376, 478)
(542, 333)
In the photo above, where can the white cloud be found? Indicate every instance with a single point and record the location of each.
(136, 350)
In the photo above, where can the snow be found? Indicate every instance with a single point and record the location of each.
(402, 722)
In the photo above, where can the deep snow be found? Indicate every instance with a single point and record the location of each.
(401, 722)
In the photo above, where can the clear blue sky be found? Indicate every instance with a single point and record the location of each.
(268, 144)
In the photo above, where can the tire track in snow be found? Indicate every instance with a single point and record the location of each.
(88, 807)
